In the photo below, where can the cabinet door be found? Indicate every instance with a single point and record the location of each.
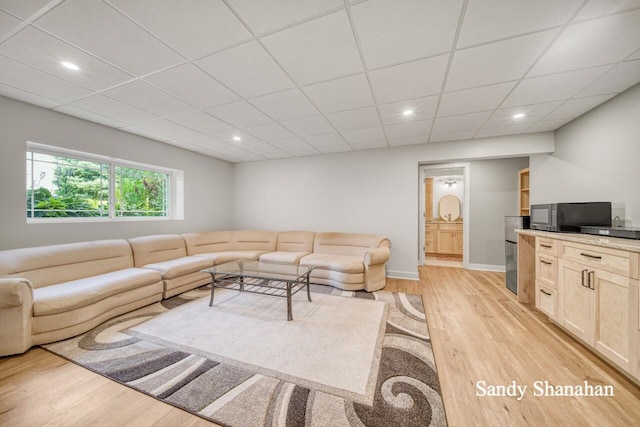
(457, 242)
(612, 315)
(445, 241)
(576, 308)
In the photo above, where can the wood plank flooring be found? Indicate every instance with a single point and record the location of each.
(478, 331)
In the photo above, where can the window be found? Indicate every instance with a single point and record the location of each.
(68, 185)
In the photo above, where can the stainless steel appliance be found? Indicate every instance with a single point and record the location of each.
(511, 224)
(570, 216)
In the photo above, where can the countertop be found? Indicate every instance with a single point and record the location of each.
(629, 245)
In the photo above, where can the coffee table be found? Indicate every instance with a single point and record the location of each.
(260, 277)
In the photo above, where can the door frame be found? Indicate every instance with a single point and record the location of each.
(424, 168)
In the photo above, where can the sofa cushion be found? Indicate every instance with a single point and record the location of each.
(49, 265)
(208, 242)
(250, 240)
(222, 257)
(354, 244)
(79, 293)
(343, 263)
(180, 266)
(283, 257)
(156, 249)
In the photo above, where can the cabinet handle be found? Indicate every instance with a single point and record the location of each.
(545, 292)
(591, 256)
(592, 275)
(545, 262)
(583, 277)
(545, 246)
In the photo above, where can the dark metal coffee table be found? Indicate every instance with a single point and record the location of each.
(259, 277)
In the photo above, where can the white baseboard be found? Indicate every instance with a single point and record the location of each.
(394, 274)
(486, 267)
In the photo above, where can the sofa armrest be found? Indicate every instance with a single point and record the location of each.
(16, 309)
(377, 256)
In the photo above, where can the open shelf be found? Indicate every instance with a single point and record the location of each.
(523, 187)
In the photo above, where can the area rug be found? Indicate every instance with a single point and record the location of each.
(364, 360)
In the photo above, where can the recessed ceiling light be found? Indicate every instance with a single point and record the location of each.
(237, 138)
(70, 65)
(407, 112)
(518, 116)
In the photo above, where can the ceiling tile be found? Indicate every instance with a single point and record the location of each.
(229, 136)
(532, 113)
(403, 130)
(620, 78)
(360, 136)
(193, 30)
(202, 122)
(7, 23)
(87, 115)
(472, 100)
(326, 44)
(355, 119)
(408, 81)
(145, 133)
(577, 107)
(453, 136)
(460, 123)
(423, 108)
(223, 147)
(296, 147)
(260, 148)
(391, 32)
(110, 108)
(147, 98)
(490, 20)
(192, 85)
(21, 8)
(40, 50)
(269, 133)
(247, 70)
(369, 145)
(166, 127)
(411, 140)
(240, 114)
(592, 43)
(634, 56)
(547, 126)
(28, 79)
(99, 29)
(341, 148)
(264, 16)
(554, 87)
(28, 97)
(496, 62)
(288, 105)
(599, 8)
(346, 93)
(501, 131)
(326, 140)
(309, 126)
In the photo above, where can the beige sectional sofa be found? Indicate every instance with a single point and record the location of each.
(50, 293)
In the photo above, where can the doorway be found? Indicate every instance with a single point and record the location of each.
(444, 215)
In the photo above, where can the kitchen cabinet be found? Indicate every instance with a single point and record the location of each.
(523, 191)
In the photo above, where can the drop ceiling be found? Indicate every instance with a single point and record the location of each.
(245, 80)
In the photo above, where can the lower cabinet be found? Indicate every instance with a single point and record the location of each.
(546, 299)
(593, 304)
(443, 238)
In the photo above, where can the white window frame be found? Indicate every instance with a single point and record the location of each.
(175, 190)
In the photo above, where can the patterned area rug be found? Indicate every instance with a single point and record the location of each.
(402, 388)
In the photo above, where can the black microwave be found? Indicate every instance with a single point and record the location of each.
(570, 216)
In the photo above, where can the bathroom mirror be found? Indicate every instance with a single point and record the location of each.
(449, 207)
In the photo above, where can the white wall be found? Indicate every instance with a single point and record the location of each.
(374, 191)
(207, 181)
(597, 158)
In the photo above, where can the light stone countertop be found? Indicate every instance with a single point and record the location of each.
(629, 245)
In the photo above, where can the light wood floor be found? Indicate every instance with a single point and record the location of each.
(478, 332)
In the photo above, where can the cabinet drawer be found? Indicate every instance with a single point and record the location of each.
(547, 246)
(546, 269)
(612, 260)
(546, 299)
(429, 226)
(450, 227)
